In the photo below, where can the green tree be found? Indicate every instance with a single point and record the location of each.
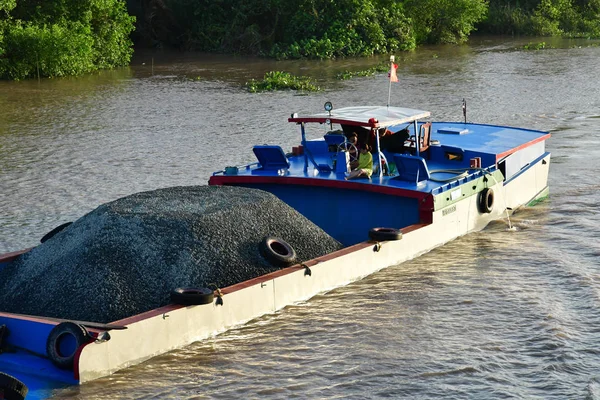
(445, 21)
(110, 26)
(283, 28)
(547, 16)
(6, 7)
(55, 50)
(324, 29)
(506, 17)
(63, 37)
(544, 17)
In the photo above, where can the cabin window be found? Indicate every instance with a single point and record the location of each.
(453, 156)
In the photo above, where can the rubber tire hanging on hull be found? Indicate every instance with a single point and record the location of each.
(277, 251)
(55, 350)
(384, 234)
(486, 201)
(192, 296)
(11, 388)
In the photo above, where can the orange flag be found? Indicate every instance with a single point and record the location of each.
(392, 73)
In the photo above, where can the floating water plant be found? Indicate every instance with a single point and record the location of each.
(279, 80)
(536, 46)
(365, 72)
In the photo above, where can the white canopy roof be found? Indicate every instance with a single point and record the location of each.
(371, 116)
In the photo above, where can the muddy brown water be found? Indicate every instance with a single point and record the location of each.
(496, 314)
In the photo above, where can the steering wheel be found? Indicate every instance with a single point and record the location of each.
(347, 146)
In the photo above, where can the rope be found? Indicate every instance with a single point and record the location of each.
(459, 173)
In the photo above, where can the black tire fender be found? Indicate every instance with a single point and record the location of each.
(63, 342)
(277, 251)
(485, 201)
(192, 296)
(383, 234)
(54, 231)
(11, 388)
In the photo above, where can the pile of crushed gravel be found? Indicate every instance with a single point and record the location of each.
(126, 256)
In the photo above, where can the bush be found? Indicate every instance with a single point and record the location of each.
(285, 29)
(111, 26)
(384, 67)
(544, 17)
(506, 19)
(56, 50)
(346, 28)
(63, 38)
(446, 21)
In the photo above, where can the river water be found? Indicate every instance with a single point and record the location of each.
(496, 314)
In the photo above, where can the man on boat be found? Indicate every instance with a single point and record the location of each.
(394, 142)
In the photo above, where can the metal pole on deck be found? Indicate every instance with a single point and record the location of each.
(304, 146)
(392, 58)
(378, 152)
(417, 138)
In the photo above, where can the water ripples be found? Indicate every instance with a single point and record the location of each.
(496, 314)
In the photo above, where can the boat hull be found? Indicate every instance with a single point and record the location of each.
(529, 185)
(427, 216)
(175, 326)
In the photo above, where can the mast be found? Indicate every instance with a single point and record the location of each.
(392, 58)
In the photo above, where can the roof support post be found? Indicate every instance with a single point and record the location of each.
(304, 147)
(417, 138)
(378, 151)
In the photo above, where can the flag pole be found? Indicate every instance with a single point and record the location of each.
(392, 58)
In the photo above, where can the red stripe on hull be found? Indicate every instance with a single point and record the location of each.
(333, 120)
(218, 180)
(8, 257)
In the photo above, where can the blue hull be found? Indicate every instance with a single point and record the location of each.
(326, 207)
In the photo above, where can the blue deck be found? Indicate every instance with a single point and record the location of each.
(25, 356)
(484, 139)
(488, 142)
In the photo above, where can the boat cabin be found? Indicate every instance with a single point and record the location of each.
(419, 166)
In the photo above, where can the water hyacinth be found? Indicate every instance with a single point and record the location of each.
(385, 67)
(279, 80)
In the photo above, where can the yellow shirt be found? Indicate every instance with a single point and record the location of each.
(365, 161)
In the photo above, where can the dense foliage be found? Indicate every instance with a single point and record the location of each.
(445, 21)
(304, 28)
(578, 18)
(70, 37)
(334, 28)
(63, 37)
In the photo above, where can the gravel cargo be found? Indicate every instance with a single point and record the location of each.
(126, 256)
